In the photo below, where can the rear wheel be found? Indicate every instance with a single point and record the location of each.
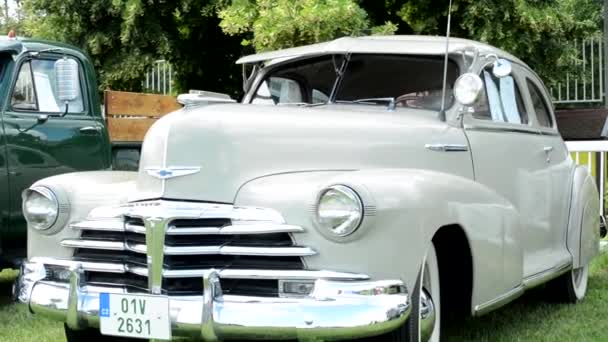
(571, 287)
(424, 324)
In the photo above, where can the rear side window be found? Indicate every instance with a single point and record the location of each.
(543, 115)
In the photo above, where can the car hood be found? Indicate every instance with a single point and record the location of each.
(208, 153)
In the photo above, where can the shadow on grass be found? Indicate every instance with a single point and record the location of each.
(536, 317)
(515, 316)
(7, 278)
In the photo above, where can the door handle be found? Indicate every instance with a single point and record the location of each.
(90, 129)
(548, 150)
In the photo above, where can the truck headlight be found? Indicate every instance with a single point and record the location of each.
(339, 210)
(40, 207)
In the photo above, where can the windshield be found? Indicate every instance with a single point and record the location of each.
(409, 81)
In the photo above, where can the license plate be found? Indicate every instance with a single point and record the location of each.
(139, 316)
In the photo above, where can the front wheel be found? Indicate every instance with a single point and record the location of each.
(424, 324)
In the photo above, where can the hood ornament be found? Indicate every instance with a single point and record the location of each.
(172, 172)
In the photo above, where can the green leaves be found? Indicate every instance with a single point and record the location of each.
(203, 38)
(541, 32)
(276, 24)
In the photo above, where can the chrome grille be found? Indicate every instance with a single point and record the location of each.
(250, 247)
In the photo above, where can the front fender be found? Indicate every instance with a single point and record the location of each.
(81, 192)
(403, 210)
(584, 221)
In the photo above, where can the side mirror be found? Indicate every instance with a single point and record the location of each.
(467, 88)
(67, 79)
(502, 68)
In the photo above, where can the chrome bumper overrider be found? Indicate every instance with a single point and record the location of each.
(334, 310)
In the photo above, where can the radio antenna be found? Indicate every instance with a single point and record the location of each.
(445, 64)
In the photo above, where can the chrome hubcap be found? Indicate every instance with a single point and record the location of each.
(427, 316)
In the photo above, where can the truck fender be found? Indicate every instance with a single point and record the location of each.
(584, 220)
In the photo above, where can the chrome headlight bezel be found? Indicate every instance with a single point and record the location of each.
(351, 224)
(54, 202)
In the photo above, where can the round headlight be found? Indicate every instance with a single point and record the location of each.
(340, 210)
(467, 88)
(40, 208)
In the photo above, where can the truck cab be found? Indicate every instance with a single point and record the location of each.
(40, 134)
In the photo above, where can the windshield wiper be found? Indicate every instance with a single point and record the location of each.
(373, 100)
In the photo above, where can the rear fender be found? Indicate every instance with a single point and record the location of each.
(584, 221)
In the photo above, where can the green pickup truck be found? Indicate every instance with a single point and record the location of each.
(51, 123)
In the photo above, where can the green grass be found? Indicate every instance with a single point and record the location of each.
(535, 318)
(530, 318)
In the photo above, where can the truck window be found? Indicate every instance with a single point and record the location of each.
(24, 97)
(35, 89)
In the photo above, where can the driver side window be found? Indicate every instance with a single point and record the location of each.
(278, 90)
(36, 90)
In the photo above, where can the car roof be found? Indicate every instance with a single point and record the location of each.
(17, 45)
(397, 44)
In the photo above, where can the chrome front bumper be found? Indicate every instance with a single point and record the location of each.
(335, 310)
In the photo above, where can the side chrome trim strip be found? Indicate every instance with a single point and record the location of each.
(543, 277)
(528, 283)
(447, 147)
(499, 301)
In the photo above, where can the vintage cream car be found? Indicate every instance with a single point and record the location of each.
(337, 201)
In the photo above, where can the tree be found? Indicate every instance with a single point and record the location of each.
(540, 32)
(275, 24)
(125, 37)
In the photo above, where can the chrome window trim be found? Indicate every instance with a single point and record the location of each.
(507, 129)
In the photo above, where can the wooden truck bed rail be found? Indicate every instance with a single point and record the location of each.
(130, 115)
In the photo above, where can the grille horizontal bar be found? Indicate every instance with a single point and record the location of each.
(197, 273)
(196, 250)
(244, 227)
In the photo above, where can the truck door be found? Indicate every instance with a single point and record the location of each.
(4, 189)
(40, 141)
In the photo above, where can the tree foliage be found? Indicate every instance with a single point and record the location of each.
(275, 24)
(125, 37)
(203, 38)
(540, 32)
